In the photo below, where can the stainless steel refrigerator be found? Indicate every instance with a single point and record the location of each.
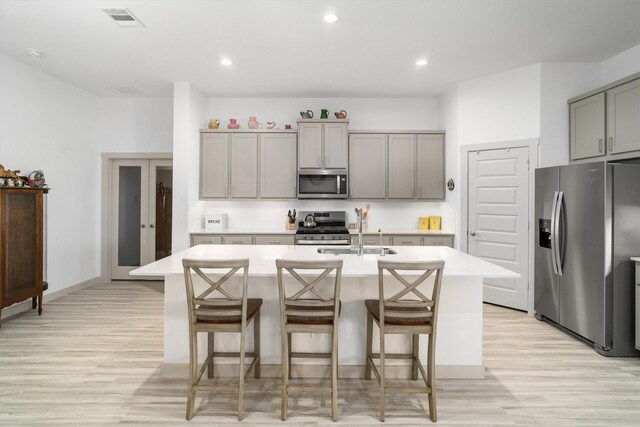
(588, 227)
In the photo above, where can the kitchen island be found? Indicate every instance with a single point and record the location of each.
(459, 338)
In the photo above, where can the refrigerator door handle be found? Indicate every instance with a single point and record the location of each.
(553, 232)
(556, 233)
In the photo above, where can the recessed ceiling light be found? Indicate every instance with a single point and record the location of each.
(330, 18)
(35, 53)
(226, 62)
(421, 62)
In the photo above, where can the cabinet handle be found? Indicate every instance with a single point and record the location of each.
(610, 143)
(326, 160)
(232, 190)
(407, 242)
(318, 161)
(143, 226)
(274, 242)
(600, 145)
(419, 191)
(152, 226)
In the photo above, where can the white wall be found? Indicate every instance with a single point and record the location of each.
(50, 125)
(620, 66)
(363, 113)
(559, 83)
(189, 107)
(132, 125)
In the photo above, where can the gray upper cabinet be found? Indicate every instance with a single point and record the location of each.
(310, 145)
(605, 123)
(244, 165)
(402, 163)
(430, 166)
(278, 165)
(623, 117)
(214, 166)
(587, 127)
(322, 144)
(367, 166)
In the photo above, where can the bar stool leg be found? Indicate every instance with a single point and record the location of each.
(289, 339)
(256, 342)
(210, 337)
(241, 385)
(367, 364)
(334, 375)
(193, 369)
(285, 375)
(432, 378)
(382, 375)
(415, 350)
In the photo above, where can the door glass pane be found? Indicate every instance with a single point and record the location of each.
(164, 180)
(129, 216)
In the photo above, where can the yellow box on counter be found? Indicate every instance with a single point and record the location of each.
(423, 223)
(434, 223)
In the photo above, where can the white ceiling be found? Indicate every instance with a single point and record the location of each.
(283, 49)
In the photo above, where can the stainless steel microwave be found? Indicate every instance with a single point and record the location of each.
(322, 184)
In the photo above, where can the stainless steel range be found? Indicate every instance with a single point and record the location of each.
(322, 228)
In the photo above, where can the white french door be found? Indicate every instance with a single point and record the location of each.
(498, 219)
(136, 185)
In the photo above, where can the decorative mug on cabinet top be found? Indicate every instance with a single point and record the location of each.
(214, 123)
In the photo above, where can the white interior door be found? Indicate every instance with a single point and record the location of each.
(498, 220)
(136, 237)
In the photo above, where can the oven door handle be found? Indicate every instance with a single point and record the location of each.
(322, 242)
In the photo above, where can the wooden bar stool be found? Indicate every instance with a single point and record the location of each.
(224, 313)
(318, 314)
(399, 315)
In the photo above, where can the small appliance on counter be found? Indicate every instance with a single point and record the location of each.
(322, 228)
(215, 220)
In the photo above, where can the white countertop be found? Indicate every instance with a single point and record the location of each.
(269, 230)
(262, 260)
(635, 258)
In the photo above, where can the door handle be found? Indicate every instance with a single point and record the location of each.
(554, 222)
(151, 226)
(472, 233)
(143, 226)
(557, 232)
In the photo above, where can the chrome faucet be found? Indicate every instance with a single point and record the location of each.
(359, 225)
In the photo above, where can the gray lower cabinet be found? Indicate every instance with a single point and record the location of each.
(237, 240)
(402, 163)
(244, 165)
(274, 240)
(214, 166)
(278, 166)
(402, 240)
(430, 167)
(205, 239)
(367, 166)
(371, 240)
(437, 241)
(605, 124)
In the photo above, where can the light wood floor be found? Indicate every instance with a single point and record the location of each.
(93, 358)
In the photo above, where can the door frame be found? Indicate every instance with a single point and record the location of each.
(105, 208)
(533, 146)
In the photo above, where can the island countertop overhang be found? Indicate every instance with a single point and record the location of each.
(262, 260)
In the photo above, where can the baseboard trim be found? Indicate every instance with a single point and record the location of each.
(181, 370)
(21, 307)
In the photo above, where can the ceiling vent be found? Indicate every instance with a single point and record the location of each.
(123, 17)
(127, 90)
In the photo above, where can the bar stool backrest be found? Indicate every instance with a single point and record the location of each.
(215, 301)
(419, 306)
(319, 306)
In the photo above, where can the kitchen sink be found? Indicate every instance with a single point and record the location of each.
(354, 251)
